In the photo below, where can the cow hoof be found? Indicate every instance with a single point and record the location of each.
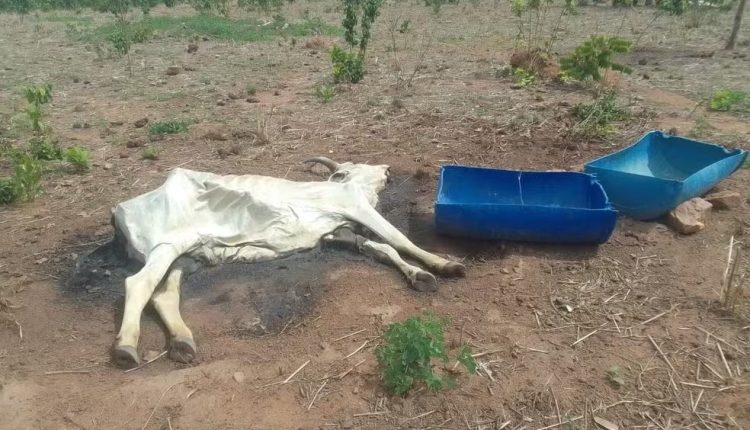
(424, 282)
(183, 349)
(125, 356)
(454, 269)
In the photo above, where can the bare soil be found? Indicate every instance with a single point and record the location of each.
(550, 322)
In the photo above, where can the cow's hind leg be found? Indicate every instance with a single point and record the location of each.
(138, 291)
(166, 300)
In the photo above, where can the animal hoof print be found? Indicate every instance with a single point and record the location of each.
(125, 357)
(424, 282)
(457, 270)
(182, 350)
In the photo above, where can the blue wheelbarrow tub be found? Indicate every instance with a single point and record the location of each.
(484, 203)
(657, 173)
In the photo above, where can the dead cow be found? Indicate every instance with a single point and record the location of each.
(215, 219)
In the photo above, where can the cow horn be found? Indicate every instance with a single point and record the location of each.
(332, 165)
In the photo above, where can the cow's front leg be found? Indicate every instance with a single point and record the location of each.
(419, 279)
(138, 291)
(366, 215)
(166, 300)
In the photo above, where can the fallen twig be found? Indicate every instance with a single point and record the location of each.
(66, 372)
(316, 394)
(342, 374)
(349, 335)
(296, 372)
(657, 316)
(666, 360)
(157, 404)
(422, 415)
(587, 336)
(162, 354)
(358, 349)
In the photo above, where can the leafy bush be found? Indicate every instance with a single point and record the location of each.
(168, 127)
(36, 96)
(78, 157)
(595, 54)
(325, 93)
(347, 66)
(407, 352)
(28, 174)
(44, 149)
(596, 118)
(724, 99)
(8, 191)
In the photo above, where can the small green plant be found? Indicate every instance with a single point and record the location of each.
(28, 173)
(347, 66)
(8, 191)
(251, 89)
(725, 100)
(408, 349)
(524, 78)
(614, 376)
(325, 93)
(44, 149)
(36, 96)
(78, 157)
(170, 126)
(593, 55)
(150, 153)
(595, 119)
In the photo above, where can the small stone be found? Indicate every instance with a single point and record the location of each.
(252, 100)
(239, 377)
(234, 96)
(642, 61)
(276, 93)
(41, 260)
(86, 82)
(687, 218)
(107, 166)
(140, 123)
(215, 135)
(286, 127)
(124, 154)
(347, 424)
(192, 48)
(173, 70)
(116, 123)
(150, 354)
(724, 199)
(135, 143)
(221, 103)
(355, 390)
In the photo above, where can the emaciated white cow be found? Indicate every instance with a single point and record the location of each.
(215, 219)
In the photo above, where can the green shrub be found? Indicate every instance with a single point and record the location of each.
(347, 66)
(170, 126)
(78, 157)
(36, 96)
(325, 93)
(593, 55)
(724, 99)
(524, 77)
(408, 349)
(43, 149)
(28, 174)
(8, 191)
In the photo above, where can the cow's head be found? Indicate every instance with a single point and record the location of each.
(372, 179)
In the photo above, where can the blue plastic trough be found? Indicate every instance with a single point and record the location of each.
(484, 203)
(657, 173)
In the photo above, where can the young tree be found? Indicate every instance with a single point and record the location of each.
(736, 27)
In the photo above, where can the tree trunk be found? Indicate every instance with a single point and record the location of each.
(736, 27)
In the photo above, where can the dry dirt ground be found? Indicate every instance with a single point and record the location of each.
(550, 322)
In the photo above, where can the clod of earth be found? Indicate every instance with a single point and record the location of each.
(724, 199)
(192, 48)
(173, 70)
(140, 123)
(252, 100)
(687, 218)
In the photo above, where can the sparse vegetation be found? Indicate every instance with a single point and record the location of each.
(43, 148)
(8, 191)
(408, 350)
(523, 77)
(170, 126)
(615, 378)
(150, 153)
(596, 119)
(325, 93)
(28, 174)
(702, 128)
(593, 55)
(36, 96)
(78, 157)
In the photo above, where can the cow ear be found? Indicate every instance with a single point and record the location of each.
(338, 176)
